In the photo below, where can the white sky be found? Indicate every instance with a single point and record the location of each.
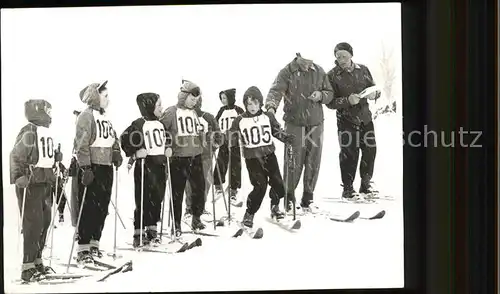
(53, 53)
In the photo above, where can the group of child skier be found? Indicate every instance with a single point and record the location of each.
(176, 144)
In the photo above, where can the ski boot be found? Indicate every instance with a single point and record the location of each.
(178, 231)
(152, 237)
(31, 275)
(61, 218)
(96, 253)
(248, 220)
(44, 269)
(233, 194)
(188, 214)
(84, 257)
(276, 213)
(206, 216)
(219, 191)
(369, 191)
(197, 224)
(350, 195)
(307, 205)
(137, 240)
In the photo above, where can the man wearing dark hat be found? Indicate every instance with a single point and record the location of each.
(304, 87)
(354, 120)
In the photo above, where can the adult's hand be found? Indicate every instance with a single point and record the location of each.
(354, 99)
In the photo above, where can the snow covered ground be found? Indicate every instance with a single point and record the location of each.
(322, 255)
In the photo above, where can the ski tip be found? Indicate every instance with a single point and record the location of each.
(258, 234)
(379, 215)
(198, 242)
(297, 225)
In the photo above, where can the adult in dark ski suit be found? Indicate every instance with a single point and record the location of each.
(305, 88)
(354, 120)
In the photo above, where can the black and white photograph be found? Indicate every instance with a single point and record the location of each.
(192, 148)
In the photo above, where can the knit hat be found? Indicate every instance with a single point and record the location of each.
(343, 46)
(253, 92)
(230, 94)
(90, 94)
(37, 111)
(187, 88)
(147, 103)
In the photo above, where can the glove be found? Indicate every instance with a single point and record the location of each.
(168, 152)
(117, 158)
(87, 176)
(22, 182)
(288, 138)
(58, 156)
(354, 99)
(141, 153)
(271, 110)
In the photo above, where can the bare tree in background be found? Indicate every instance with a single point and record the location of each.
(388, 71)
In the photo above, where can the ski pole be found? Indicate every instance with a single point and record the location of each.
(212, 187)
(51, 227)
(23, 205)
(220, 177)
(54, 206)
(117, 213)
(229, 180)
(172, 210)
(114, 255)
(76, 229)
(163, 209)
(142, 201)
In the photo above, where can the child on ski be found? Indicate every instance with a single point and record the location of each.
(31, 162)
(255, 129)
(181, 125)
(97, 150)
(227, 113)
(60, 197)
(212, 138)
(144, 140)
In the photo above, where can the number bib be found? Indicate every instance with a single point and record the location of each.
(154, 137)
(105, 135)
(187, 123)
(202, 126)
(45, 147)
(226, 119)
(256, 131)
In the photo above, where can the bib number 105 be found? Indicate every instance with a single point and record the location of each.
(257, 135)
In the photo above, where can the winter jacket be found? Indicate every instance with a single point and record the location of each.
(34, 146)
(344, 84)
(228, 113)
(182, 126)
(210, 130)
(256, 130)
(145, 132)
(296, 85)
(94, 144)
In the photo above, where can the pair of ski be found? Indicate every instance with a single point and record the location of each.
(171, 247)
(286, 223)
(253, 233)
(104, 273)
(350, 218)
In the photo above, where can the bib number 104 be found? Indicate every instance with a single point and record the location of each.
(257, 135)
